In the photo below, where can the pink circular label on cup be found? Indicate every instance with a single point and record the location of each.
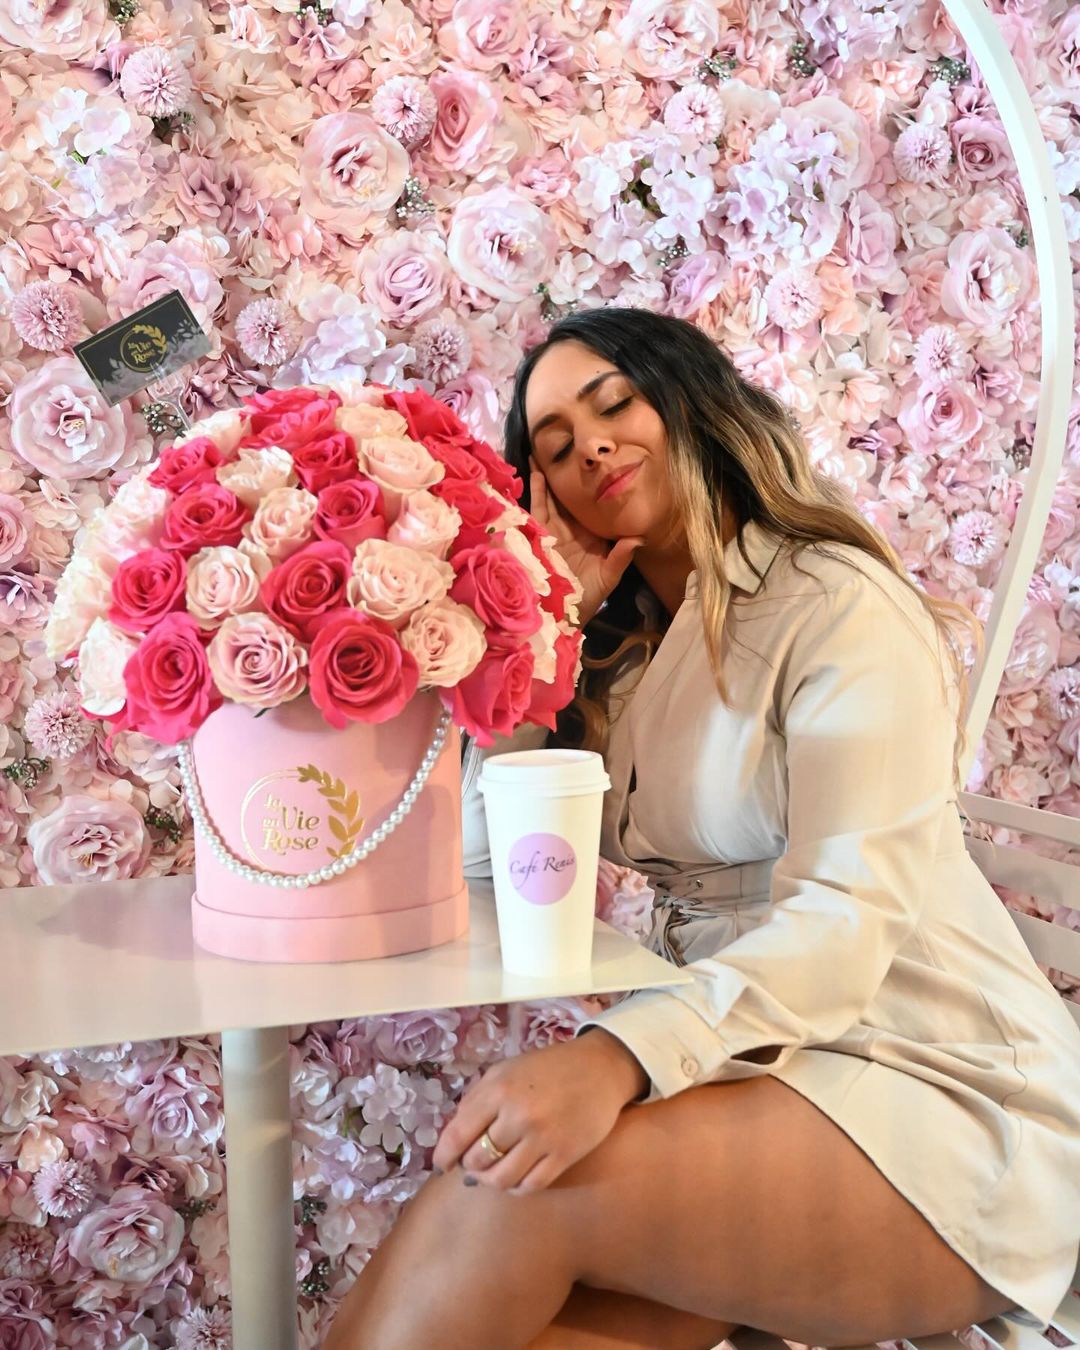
(542, 868)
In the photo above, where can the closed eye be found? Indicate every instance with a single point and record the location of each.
(607, 412)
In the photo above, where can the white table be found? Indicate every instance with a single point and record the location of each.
(89, 965)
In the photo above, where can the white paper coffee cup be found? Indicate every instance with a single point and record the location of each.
(543, 811)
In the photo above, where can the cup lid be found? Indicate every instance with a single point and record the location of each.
(569, 771)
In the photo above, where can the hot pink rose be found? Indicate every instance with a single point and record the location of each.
(549, 699)
(563, 586)
(359, 671)
(182, 466)
(290, 417)
(502, 476)
(426, 417)
(308, 585)
(170, 691)
(467, 113)
(496, 586)
(146, 587)
(205, 516)
(351, 512)
(493, 700)
(472, 504)
(328, 459)
(457, 459)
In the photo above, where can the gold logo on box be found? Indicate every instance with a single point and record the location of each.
(286, 816)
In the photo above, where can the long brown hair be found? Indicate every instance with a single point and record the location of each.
(730, 444)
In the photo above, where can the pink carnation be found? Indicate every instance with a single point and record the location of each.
(46, 316)
(155, 82)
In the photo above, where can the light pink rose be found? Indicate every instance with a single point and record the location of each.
(75, 30)
(467, 114)
(501, 244)
(104, 653)
(426, 523)
(404, 275)
(987, 280)
(665, 39)
(447, 640)
(407, 1039)
(88, 839)
(871, 243)
(186, 263)
(82, 595)
(484, 34)
(132, 1238)
(257, 472)
(180, 1110)
(939, 419)
(981, 148)
(391, 583)
(283, 522)
(16, 524)
(220, 582)
(254, 660)
(364, 421)
(694, 282)
(1063, 56)
(62, 427)
(350, 169)
(399, 465)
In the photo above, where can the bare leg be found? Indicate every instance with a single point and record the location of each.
(594, 1319)
(737, 1202)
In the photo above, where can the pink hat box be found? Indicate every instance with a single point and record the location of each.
(287, 794)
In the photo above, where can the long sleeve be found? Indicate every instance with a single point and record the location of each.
(868, 732)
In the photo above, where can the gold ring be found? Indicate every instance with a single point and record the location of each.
(489, 1147)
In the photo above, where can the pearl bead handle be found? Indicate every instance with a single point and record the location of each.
(331, 871)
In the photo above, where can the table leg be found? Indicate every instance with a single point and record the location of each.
(258, 1163)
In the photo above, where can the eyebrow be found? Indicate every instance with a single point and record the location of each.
(583, 392)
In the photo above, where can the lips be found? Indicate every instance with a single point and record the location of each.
(616, 482)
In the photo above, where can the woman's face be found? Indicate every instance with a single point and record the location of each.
(602, 449)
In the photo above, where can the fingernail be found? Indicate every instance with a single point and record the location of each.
(470, 1180)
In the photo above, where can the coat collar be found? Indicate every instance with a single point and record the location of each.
(761, 547)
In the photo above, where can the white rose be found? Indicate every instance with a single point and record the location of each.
(391, 583)
(364, 421)
(284, 521)
(220, 581)
(427, 523)
(83, 594)
(515, 542)
(257, 472)
(226, 429)
(447, 641)
(104, 653)
(542, 643)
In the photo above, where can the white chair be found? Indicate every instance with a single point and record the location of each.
(1054, 947)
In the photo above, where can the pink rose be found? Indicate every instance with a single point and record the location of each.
(131, 1238)
(447, 641)
(284, 521)
(170, 692)
(61, 426)
(498, 589)
(695, 282)
(426, 523)
(484, 34)
(290, 417)
(549, 699)
(987, 280)
(359, 670)
(351, 512)
(220, 582)
(398, 466)
(404, 275)
(329, 459)
(254, 660)
(467, 113)
(1035, 649)
(303, 588)
(469, 500)
(390, 582)
(939, 419)
(871, 243)
(205, 516)
(350, 169)
(182, 466)
(146, 587)
(15, 527)
(88, 839)
(179, 1110)
(981, 148)
(493, 700)
(501, 243)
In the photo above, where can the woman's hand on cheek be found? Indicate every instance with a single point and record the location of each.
(545, 1110)
(596, 563)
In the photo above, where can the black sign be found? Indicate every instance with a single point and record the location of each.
(143, 347)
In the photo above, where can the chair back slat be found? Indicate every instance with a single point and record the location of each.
(1022, 870)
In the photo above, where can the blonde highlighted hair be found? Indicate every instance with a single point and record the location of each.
(731, 447)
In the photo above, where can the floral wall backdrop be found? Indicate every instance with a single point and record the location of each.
(413, 193)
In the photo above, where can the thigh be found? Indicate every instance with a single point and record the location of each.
(597, 1319)
(745, 1203)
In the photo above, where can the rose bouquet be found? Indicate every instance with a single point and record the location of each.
(358, 549)
(308, 595)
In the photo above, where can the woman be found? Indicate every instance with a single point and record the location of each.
(861, 1121)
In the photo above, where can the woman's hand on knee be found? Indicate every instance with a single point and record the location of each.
(543, 1112)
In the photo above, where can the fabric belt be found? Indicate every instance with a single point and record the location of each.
(701, 894)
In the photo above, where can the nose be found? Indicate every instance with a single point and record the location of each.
(595, 448)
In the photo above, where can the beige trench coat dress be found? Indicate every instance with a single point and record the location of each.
(805, 847)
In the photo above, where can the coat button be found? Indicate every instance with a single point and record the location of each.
(690, 1067)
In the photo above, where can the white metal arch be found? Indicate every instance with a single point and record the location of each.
(976, 26)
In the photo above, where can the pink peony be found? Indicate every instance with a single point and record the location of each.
(987, 280)
(350, 169)
(665, 39)
(132, 1238)
(74, 30)
(186, 263)
(501, 243)
(88, 839)
(62, 428)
